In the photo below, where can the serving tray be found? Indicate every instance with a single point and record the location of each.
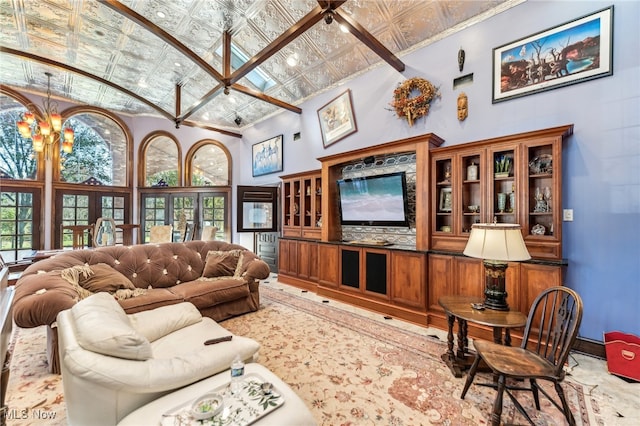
(240, 409)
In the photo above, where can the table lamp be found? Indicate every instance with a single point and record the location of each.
(497, 244)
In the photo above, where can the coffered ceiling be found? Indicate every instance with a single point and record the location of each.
(178, 58)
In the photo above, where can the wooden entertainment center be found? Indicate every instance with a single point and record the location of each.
(407, 281)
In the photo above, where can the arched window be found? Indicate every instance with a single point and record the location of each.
(99, 167)
(17, 157)
(21, 182)
(209, 164)
(100, 150)
(160, 164)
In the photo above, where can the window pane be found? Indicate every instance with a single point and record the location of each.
(9, 199)
(161, 162)
(99, 151)
(17, 224)
(210, 166)
(17, 159)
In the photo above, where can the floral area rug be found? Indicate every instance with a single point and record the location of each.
(349, 369)
(352, 370)
(34, 396)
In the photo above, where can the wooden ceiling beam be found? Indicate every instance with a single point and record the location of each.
(224, 79)
(226, 56)
(101, 80)
(165, 36)
(203, 101)
(308, 21)
(369, 40)
(259, 95)
(74, 70)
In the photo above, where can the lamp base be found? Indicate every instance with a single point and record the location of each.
(495, 294)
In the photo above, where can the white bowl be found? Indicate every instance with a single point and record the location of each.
(207, 406)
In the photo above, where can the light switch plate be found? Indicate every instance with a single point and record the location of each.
(567, 215)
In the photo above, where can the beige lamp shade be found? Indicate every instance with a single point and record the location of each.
(496, 241)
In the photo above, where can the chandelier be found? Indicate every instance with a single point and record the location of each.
(44, 133)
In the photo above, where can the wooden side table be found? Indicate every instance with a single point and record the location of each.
(127, 232)
(78, 235)
(460, 308)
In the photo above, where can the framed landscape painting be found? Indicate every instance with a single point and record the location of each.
(570, 53)
(336, 119)
(266, 156)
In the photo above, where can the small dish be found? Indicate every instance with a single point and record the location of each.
(207, 406)
(474, 208)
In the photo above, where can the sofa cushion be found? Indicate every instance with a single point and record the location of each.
(221, 263)
(102, 326)
(156, 323)
(207, 292)
(97, 278)
(152, 299)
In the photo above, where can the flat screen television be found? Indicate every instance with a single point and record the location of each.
(379, 200)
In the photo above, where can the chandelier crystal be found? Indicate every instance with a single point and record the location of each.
(43, 134)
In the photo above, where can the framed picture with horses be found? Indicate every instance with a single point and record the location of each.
(267, 156)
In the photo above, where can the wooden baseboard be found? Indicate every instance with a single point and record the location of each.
(590, 347)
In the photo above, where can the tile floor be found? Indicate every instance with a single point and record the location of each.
(618, 400)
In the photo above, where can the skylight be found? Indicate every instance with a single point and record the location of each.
(257, 77)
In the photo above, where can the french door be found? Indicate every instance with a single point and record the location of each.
(75, 207)
(20, 220)
(179, 209)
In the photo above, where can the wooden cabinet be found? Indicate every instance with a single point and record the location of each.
(329, 265)
(298, 262)
(302, 205)
(409, 279)
(458, 275)
(365, 270)
(513, 179)
(458, 198)
(456, 186)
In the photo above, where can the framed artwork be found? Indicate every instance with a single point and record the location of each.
(267, 156)
(570, 53)
(445, 200)
(336, 119)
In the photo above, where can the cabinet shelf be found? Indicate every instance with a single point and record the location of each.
(531, 195)
(302, 205)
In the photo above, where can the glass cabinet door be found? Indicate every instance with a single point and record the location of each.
(472, 193)
(444, 196)
(505, 166)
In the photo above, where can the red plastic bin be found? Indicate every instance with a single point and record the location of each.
(623, 354)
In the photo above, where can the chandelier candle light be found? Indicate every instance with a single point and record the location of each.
(44, 133)
(497, 244)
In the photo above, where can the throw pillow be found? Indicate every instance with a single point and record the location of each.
(221, 263)
(102, 326)
(96, 278)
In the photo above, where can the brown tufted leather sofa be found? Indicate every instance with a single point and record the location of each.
(168, 271)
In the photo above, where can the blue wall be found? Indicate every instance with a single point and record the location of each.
(602, 158)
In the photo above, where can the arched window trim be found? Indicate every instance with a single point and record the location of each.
(142, 156)
(194, 149)
(29, 104)
(82, 109)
